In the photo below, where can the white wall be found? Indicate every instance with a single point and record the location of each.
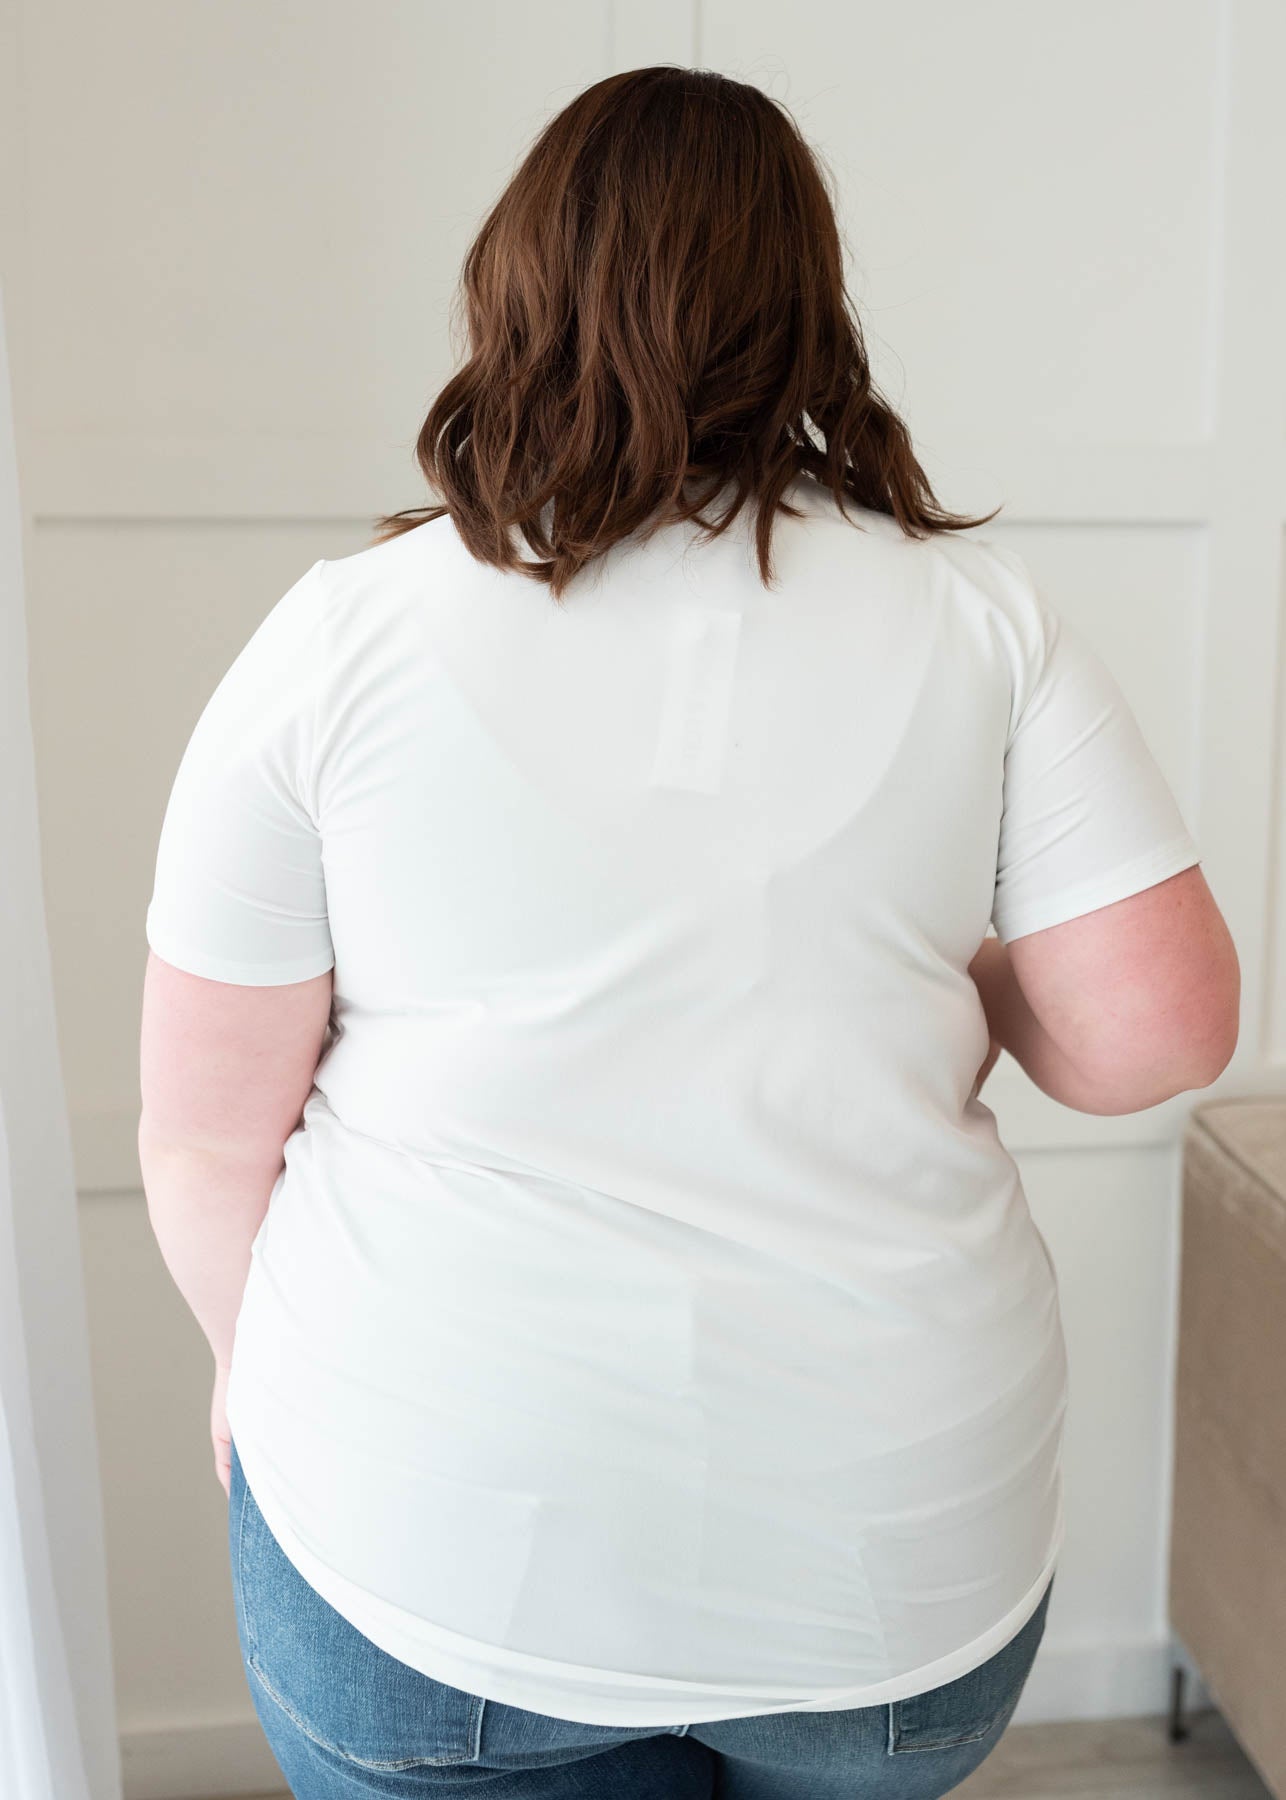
(243, 227)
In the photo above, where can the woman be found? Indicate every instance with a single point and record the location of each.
(648, 1378)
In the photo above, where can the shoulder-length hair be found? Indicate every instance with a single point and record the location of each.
(657, 311)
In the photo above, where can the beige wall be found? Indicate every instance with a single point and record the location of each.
(241, 232)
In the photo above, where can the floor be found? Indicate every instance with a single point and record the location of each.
(1112, 1759)
(1116, 1759)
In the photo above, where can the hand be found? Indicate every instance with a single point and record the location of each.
(220, 1436)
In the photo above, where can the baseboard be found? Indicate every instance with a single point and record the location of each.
(1128, 1680)
(199, 1759)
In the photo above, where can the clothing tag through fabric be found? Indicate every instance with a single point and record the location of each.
(696, 705)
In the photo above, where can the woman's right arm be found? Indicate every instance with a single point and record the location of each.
(1120, 1008)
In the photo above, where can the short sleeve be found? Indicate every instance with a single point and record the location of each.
(1088, 817)
(239, 893)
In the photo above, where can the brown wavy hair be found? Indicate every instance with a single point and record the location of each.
(656, 309)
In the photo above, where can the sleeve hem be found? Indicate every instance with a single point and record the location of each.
(238, 974)
(1120, 883)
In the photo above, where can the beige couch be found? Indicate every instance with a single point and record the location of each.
(1228, 1543)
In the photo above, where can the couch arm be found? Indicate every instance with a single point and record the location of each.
(1227, 1581)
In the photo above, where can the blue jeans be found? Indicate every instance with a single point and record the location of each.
(345, 1719)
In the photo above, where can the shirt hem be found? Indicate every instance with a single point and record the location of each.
(570, 1691)
(236, 974)
(1122, 883)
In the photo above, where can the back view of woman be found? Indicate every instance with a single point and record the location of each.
(649, 1379)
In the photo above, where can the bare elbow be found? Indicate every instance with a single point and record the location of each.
(1174, 1050)
(1209, 1067)
(1203, 1054)
(1222, 1016)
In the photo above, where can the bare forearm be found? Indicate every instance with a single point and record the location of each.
(206, 1207)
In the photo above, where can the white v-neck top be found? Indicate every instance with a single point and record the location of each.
(648, 1324)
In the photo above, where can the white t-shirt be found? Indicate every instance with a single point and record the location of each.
(648, 1324)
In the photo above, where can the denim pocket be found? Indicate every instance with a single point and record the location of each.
(973, 1706)
(344, 1692)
